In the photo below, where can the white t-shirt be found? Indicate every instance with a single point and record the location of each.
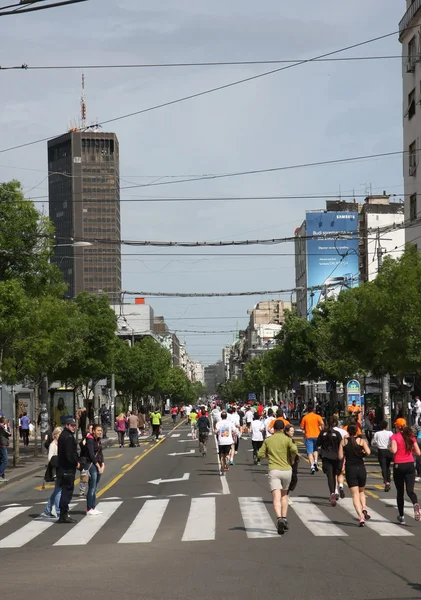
(235, 418)
(188, 410)
(381, 439)
(224, 430)
(268, 421)
(256, 430)
(249, 416)
(216, 415)
(343, 432)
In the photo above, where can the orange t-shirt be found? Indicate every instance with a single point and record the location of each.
(359, 430)
(272, 423)
(310, 424)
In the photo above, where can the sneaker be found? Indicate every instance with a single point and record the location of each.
(316, 466)
(387, 487)
(333, 499)
(81, 494)
(341, 492)
(336, 495)
(93, 511)
(417, 513)
(286, 524)
(401, 520)
(4, 480)
(258, 463)
(231, 461)
(204, 454)
(66, 519)
(47, 515)
(281, 526)
(418, 479)
(366, 514)
(361, 522)
(312, 470)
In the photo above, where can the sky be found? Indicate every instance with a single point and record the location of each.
(309, 113)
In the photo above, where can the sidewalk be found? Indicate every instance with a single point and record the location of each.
(29, 464)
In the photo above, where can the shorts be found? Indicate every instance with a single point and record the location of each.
(279, 480)
(311, 445)
(225, 449)
(356, 475)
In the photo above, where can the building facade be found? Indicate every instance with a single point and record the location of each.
(84, 205)
(410, 38)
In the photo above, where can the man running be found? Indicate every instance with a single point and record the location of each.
(203, 425)
(224, 430)
(156, 420)
(281, 452)
(312, 425)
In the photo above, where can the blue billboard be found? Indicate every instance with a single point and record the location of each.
(332, 261)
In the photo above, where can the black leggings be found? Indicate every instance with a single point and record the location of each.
(25, 435)
(121, 435)
(384, 458)
(331, 468)
(404, 475)
(418, 461)
(256, 447)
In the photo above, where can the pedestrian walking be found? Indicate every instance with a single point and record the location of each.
(257, 430)
(4, 444)
(203, 426)
(331, 450)
(156, 420)
(105, 418)
(280, 451)
(25, 421)
(355, 450)
(312, 425)
(43, 424)
(381, 441)
(120, 428)
(53, 503)
(403, 446)
(95, 466)
(68, 462)
(133, 430)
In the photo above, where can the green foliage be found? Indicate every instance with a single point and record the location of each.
(178, 386)
(230, 391)
(199, 390)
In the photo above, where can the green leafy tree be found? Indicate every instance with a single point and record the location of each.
(199, 390)
(178, 386)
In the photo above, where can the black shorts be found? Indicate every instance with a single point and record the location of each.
(356, 475)
(337, 465)
(225, 449)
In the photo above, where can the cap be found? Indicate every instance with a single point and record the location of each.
(399, 423)
(70, 421)
(278, 425)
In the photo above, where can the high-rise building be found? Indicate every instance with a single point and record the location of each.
(410, 38)
(84, 204)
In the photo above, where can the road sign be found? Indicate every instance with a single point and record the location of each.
(353, 392)
(252, 396)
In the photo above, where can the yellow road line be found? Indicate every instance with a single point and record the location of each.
(130, 467)
(50, 486)
(372, 494)
(116, 456)
(124, 466)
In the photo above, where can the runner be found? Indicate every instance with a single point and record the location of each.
(257, 429)
(312, 425)
(156, 420)
(403, 446)
(193, 423)
(216, 414)
(289, 431)
(235, 418)
(268, 421)
(381, 441)
(355, 449)
(203, 425)
(339, 490)
(249, 418)
(224, 431)
(281, 452)
(279, 417)
(331, 444)
(174, 413)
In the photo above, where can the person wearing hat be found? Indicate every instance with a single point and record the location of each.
(404, 446)
(68, 462)
(281, 452)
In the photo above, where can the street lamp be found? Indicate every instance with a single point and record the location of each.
(75, 245)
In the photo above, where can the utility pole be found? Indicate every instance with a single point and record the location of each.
(112, 398)
(15, 428)
(386, 400)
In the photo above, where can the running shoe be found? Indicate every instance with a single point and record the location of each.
(336, 495)
(258, 463)
(316, 466)
(286, 524)
(417, 513)
(401, 520)
(342, 492)
(93, 512)
(312, 470)
(333, 499)
(366, 514)
(221, 472)
(281, 526)
(361, 522)
(48, 515)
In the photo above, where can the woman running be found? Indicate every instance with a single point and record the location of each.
(289, 431)
(331, 450)
(403, 446)
(355, 449)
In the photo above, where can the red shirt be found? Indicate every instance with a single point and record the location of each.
(260, 409)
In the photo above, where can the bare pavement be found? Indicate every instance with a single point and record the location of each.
(172, 528)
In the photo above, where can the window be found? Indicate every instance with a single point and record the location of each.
(413, 207)
(412, 159)
(412, 55)
(411, 104)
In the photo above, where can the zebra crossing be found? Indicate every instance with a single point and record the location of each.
(203, 523)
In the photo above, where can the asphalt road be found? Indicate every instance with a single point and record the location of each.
(203, 536)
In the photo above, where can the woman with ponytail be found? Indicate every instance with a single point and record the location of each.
(404, 446)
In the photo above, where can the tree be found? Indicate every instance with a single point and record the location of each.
(233, 390)
(178, 386)
(199, 390)
(26, 242)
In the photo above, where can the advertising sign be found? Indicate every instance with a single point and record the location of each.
(353, 392)
(331, 261)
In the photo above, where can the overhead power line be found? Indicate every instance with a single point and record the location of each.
(221, 294)
(233, 63)
(215, 89)
(25, 6)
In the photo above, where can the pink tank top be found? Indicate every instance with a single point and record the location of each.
(402, 455)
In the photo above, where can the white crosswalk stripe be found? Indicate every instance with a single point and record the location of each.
(200, 524)
(408, 506)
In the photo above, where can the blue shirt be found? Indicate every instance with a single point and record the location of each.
(24, 422)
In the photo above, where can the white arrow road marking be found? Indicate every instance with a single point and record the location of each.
(181, 453)
(185, 477)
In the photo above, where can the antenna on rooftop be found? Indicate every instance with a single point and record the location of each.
(83, 105)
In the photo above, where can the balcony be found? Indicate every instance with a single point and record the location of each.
(408, 16)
